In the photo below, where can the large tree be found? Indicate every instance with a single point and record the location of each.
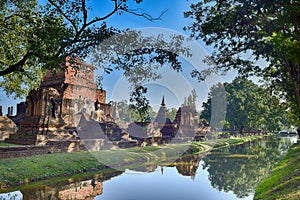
(243, 32)
(35, 38)
(249, 107)
(28, 38)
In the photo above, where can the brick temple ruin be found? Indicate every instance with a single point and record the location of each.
(68, 111)
(53, 112)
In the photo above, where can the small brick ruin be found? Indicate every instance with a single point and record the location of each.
(184, 128)
(7, 127)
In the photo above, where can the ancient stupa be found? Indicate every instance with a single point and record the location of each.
(54, 110)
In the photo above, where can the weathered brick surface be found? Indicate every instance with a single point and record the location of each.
(51, 147)
(75, 82)
(57, 103)
(101, 96)
(7, 126)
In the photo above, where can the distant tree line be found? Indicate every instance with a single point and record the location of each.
(250, 107)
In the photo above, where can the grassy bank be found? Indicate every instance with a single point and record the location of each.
(3, 144)
(284, 181)
(15, 171)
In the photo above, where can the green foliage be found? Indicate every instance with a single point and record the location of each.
(172, 113)
(141, 105)
(283, 182)
(35, 38)
(138, 57)
(267, 30)
(191, 100)
(249, 107)
(124, 111)
(239, 168)
(129, 112)
(214, 109)
(28, 38)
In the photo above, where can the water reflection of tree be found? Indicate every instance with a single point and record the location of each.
(241, 168)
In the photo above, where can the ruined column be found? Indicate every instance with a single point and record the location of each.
(11, 111)
(8, 111)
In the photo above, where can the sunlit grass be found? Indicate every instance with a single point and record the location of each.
(284, 181)
(4, 144)
(239, 156)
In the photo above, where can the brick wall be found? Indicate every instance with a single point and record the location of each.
(101, 96)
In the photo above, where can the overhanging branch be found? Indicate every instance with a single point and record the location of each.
(64, 15)
(20, 64)
(145, 15)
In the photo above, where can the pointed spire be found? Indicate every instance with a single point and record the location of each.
(162, 113)
(163, 101)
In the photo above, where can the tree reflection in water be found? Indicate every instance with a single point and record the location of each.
(240, 168)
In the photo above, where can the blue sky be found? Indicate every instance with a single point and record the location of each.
(173, 19)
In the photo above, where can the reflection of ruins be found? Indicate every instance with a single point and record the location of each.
(188, 165)
(83, 190)
(70, 189)
(90, 186)
(235, 170)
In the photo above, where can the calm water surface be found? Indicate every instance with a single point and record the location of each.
(229, 173)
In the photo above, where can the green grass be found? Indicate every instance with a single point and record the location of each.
(15, 171)
(4, 144)
(284, 180)
(224, 142)
(28, 169)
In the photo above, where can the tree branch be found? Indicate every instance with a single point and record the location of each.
(20, 64)
(14, 15)
(145, 15)
(65, 16)
(85, 14)
(16, 66)
(97, 19)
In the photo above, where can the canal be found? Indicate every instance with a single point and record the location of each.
(227, 173)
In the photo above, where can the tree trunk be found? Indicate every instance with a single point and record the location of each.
(241, 129)
(298, 99)
(294, 72)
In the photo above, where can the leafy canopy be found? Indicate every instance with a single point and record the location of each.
(249, 107)
(244, 32)
(28, 38)
(35, 38)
